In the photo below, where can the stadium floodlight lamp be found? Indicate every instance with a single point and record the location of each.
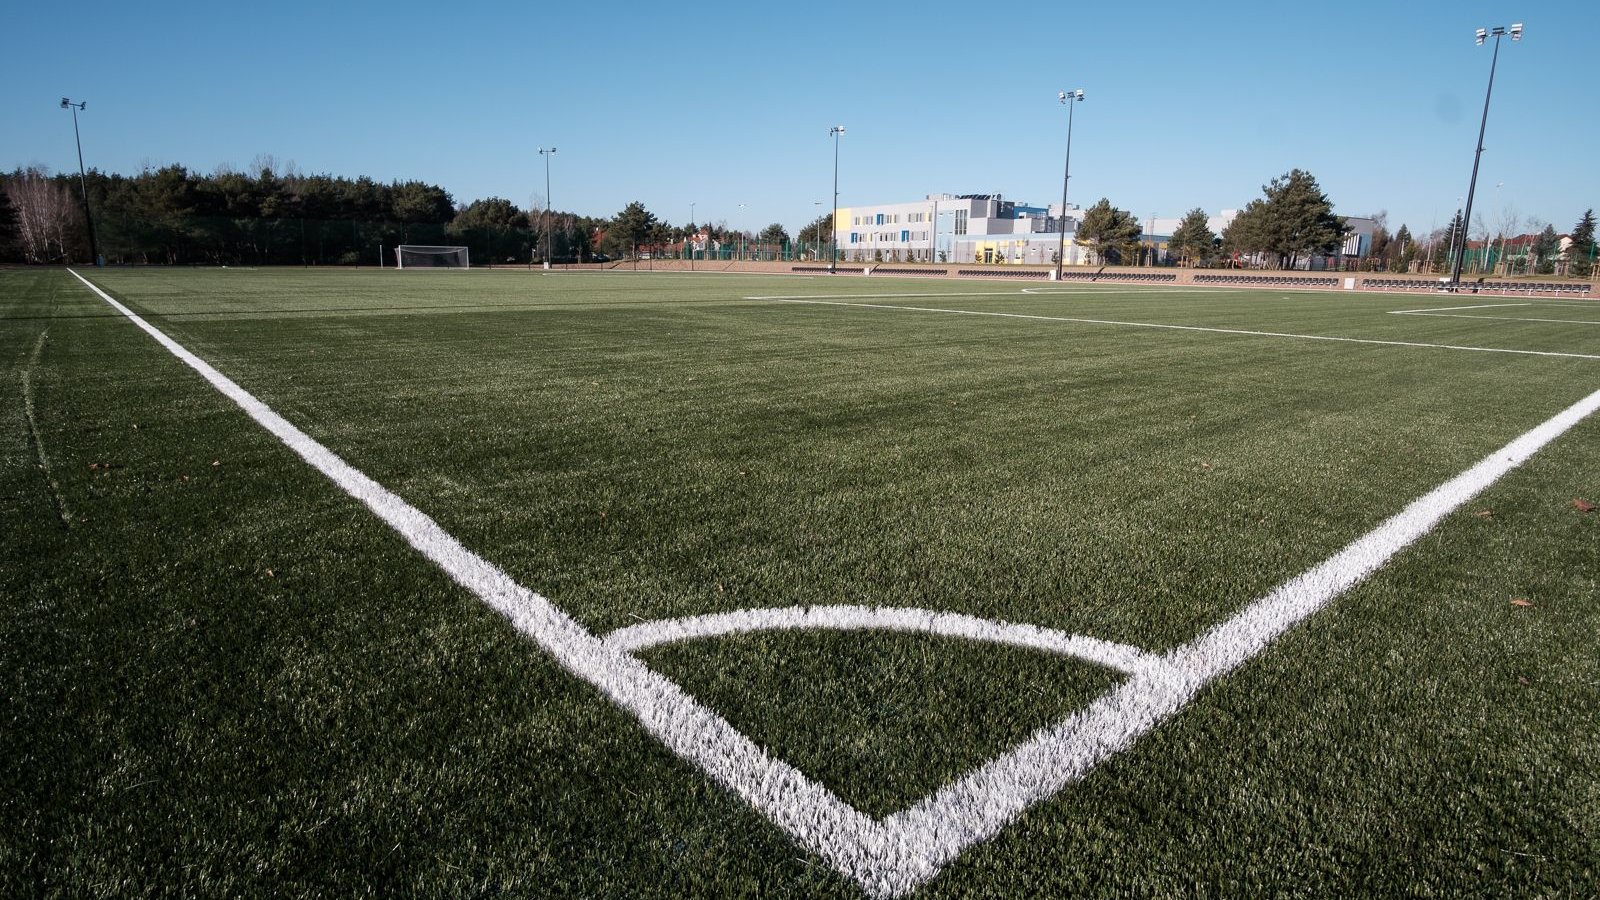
(833, 224)
(83, 178)
(1483, 34)
(547, 154)
(1068, 99)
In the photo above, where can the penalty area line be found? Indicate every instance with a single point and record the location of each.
(1196, 328)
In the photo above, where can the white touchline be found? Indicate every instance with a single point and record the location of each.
(1494, 318)
(1401, 312)
(894, 855)
(1159, 325)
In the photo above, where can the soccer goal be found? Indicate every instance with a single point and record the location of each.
(411, 256)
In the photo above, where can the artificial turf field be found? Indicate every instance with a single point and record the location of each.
(224, 676)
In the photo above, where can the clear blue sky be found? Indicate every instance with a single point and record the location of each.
(720, 105)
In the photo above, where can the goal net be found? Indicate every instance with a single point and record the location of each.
(411, 256)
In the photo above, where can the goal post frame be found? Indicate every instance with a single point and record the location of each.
(428, 256)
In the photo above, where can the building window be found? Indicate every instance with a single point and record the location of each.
(961, 221)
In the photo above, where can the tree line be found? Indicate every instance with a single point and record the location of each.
(174, 216)
(1293, 221)
(264, 216)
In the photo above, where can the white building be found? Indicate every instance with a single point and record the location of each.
(956, 228)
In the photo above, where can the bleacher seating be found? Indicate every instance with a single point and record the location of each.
(1270, 280)
(1471, 286)
(1145, 277)
(1004, 273)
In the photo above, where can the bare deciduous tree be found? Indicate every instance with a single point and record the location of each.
(45, 212)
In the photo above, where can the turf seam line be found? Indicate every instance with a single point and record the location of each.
(893, 856)
(1169, 327)
(58, 499)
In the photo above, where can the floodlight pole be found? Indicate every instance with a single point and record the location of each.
(833, 224)
(83, 178)
(547, 154)
(1067, 98)
(1497, 32)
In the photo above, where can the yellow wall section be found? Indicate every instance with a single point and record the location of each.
(841, 221)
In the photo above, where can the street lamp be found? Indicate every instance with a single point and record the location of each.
(547, 154)
(741, 232)
(83, 179)
(833, 224)
(818, 232)
(1067, 98)
(1501, 252)
(1497, 32)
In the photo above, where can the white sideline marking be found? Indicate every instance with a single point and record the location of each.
(1401, 312)
(1497, 318)
(895, 855)
(1123, 658)
(1277, 334)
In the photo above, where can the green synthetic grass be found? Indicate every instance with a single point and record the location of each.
(223, 677)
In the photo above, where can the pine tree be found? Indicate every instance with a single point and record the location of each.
(1112, 232)
(1193, 239)
(1401, 250)
(1451, 243)
(1581, 252)
(1545, 249)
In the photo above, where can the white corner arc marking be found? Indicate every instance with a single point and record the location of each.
(892, 856)
(1121, 657)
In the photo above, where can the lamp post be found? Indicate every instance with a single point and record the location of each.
(547, 154)
(818, 220)
(83, 178)
(1067, 98)
(741, 233)
(1497, 32)
(833, 224)
(1499, 254)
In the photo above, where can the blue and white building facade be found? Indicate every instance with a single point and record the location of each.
(957, 228)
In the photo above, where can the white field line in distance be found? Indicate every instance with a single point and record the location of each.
(893, 856)
(1401, 312)
(1169, 327)
(1434, 315)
